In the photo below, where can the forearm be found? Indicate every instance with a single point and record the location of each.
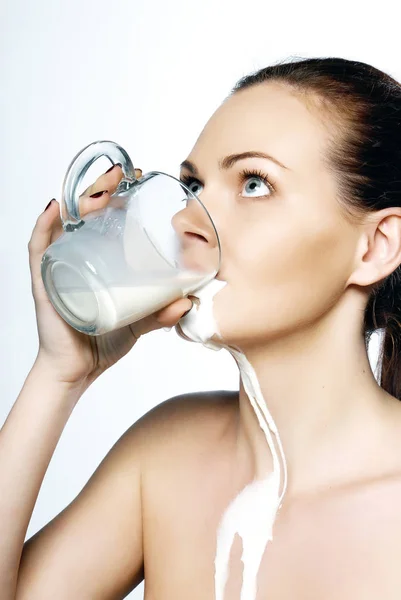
(28, 439)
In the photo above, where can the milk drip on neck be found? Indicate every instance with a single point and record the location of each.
(253, 511)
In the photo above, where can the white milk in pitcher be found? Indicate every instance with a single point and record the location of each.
(115, 274)
(118, 306)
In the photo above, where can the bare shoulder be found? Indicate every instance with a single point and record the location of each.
(185, 433)
(187, 419)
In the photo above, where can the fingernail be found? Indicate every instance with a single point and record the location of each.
(98, 194)
(49, 204)
(112, 167)
(167, 329)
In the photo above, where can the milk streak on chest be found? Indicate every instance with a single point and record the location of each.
(252, 513)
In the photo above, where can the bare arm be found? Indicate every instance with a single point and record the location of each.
(92, 549)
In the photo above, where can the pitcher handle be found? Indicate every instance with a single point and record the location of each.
(69, 206)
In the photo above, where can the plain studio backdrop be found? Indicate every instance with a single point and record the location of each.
(147, 75)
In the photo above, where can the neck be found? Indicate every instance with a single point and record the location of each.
(322, 395)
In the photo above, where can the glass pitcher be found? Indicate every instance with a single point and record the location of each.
(153, 243)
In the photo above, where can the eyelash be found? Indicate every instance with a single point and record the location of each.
(249, 173)
(243, 176)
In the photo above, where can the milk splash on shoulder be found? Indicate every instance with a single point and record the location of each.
(253, 511)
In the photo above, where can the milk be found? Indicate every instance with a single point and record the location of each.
(252, 513)
(113, 271)
(117, 306)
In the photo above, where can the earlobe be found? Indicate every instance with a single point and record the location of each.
(362, 273)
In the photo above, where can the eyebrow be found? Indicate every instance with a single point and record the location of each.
(230, 160)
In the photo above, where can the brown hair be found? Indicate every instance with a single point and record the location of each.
(365, 158)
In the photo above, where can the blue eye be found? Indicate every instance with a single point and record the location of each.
(192, 184)
(195, 187)
(257, 187)
(254, 183)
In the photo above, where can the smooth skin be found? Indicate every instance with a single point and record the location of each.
(94, 547)
(298, 271)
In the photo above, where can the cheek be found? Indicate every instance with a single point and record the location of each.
(283, 277)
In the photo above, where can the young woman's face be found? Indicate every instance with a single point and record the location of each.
(287, 247)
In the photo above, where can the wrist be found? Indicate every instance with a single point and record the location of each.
(43, 368)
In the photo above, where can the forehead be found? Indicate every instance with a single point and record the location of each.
(268, 117)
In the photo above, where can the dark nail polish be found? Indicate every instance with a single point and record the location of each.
(112, 167)
(98, 194)
(49, 204)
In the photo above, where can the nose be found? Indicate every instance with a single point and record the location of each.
(198, 239)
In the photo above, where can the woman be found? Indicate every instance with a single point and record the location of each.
(310, 228)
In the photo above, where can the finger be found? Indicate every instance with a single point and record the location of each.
(40, 240)
(103, 188)
(166, 317)
(107, 181)
(88, 204)
(169, 316)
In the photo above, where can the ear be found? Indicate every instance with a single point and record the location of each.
(379, 250)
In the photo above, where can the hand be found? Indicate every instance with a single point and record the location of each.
(75, 357)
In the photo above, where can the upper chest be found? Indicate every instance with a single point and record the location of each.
(343, 545)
